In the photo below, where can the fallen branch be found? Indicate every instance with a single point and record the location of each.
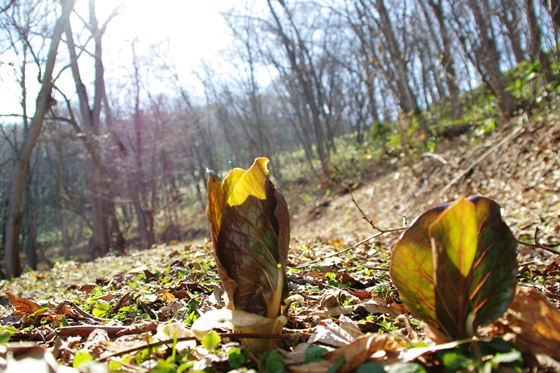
(112, 330)
(84, 313)
(370, 221)
(192, 338)
(85, 330)
(380, 232)
(550, 247)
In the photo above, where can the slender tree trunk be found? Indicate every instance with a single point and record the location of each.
(44, 101)
(140, 196)
(60, 200)
(510, 18)
(553, 9)
(447, 61)
(490, 58)
(302, 132)
(105, 222)
(31, 227)
(407, 98)
(300, 65)
(535, 40)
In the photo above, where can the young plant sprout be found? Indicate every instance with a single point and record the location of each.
(250, 229)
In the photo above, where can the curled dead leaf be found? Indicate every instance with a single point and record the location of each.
(330, 333)
(64, 310)
(533, 324)
(22, 306)
(369, 347)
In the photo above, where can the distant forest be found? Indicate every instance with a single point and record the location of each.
(102, 164)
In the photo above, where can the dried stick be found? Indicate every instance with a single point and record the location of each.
(85, 330)
(380, 232)
(370, 221)
(84, 313)
(192, 338)
(112, 330)
(538, 245)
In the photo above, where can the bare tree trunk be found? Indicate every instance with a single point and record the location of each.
(60, 199)
(30, 243)
(446, 58)
(509, 16)
(490, 59)
(44, 102)
(407, 99)
(103, 207)
(301, 65)
(535, 40)
(139, 198)
(553, 9)
(100, 236)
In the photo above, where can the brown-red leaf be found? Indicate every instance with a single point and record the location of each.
(22, 306)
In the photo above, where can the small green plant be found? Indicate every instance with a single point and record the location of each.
(81, 357)
(455, 266)
(250, 228)
(491, 356)
(236, 358)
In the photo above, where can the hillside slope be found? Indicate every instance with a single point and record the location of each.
(518, 165)
(339, 278)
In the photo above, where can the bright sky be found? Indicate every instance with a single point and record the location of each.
(195, 28)
(188, 30)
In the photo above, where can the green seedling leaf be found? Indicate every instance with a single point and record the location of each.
(371, 368)
(455, 361)
(164, 366)
(337, 364)
(5, 337)
(236, 358)
(211, 340)
(250, 228)
(314, 353)
(274, 362)
(81, 357)
(6, 332)
(455, 266)
(114, 365)
(185, 367)
(102, 308)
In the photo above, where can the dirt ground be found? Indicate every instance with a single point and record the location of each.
(518, 165)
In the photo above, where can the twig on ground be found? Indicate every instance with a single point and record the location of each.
(85, 330)
(359, 243)
(550, 247)
(435, 156)
(364, 216)
(192, 338)
(370, 221)
(112, 330)
(380, 232)
(84, 313)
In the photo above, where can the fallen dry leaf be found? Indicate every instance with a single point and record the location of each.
(331, 334)
(63, 309)
(371, 346)
(29, 358)
(23, 307)
(533, 323)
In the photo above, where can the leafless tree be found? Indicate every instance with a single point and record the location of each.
(43, 103)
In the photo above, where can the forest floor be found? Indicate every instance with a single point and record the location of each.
(140, 302)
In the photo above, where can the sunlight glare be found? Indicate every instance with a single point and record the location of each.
(194, 29)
